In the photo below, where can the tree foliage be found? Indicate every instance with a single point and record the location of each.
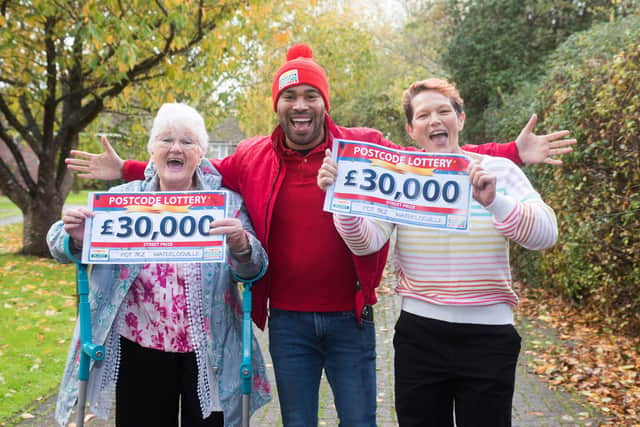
(496, 45)
(64, 62)
(596, 195)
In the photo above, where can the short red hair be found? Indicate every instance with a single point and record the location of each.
(439, 85)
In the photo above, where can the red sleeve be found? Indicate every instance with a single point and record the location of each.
(229, 171)
(133, 170)
(508, 150)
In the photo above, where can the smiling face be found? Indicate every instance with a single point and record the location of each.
(176, 154)
(435, 124)
(301, 116)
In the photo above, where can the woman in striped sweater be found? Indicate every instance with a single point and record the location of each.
(455, 344)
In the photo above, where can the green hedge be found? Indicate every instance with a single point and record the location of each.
(592, 88)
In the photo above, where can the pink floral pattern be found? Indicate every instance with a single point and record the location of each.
(156, 313)
(124, 273)
(260, 383)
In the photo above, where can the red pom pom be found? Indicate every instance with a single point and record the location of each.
(299, 50)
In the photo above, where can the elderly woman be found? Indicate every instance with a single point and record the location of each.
(455, 344)
(172, 332)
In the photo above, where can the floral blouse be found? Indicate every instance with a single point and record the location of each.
(156, 314)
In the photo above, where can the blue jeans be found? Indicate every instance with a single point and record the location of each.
(302, 344)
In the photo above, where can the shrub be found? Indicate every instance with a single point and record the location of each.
(596, 194)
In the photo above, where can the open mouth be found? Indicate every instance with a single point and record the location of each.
(301, 124)
(439, 137)
(175, 163)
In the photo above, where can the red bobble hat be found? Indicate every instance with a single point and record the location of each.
(300, 69)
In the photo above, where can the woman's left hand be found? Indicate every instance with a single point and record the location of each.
(237, 239)
(483, 184)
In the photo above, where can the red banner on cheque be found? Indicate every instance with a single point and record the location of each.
(401, 186)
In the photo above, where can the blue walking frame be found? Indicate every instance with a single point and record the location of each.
(97, 352)
(246, 371)
(88, 349)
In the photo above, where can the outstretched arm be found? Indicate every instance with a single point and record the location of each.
(106, 165)
(529, 148)
(534, 148)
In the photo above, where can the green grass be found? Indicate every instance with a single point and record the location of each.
(37, 315)
(8, 209)
(79, 198)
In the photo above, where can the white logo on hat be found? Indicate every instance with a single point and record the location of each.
(288, 78)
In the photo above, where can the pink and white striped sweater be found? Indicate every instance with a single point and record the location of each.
(463, 277)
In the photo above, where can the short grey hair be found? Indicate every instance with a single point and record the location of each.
(176, 113)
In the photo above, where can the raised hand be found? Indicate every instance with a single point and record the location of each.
(534, 148)
(106, 165)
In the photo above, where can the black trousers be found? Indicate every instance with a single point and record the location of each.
(154, 386)
(443, 367)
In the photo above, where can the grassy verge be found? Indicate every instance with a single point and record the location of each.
(79, 198)
(37, 315)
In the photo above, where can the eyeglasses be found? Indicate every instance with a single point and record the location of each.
(166, 143)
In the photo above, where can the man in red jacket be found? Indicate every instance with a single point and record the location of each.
(319, 295)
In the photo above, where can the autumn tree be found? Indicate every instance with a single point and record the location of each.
(370, 55)
(64, 62)
(359, 69)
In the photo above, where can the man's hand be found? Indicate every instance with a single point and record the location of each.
(327, 172)
(105, 166)
(534, 148)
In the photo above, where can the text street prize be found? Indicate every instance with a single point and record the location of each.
(162, 227)
(401, 186)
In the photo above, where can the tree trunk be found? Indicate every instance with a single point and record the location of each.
(38, 217)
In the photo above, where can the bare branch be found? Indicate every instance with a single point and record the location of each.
(50, 102)
(161, 7)
(31, 121)
(14, 122)
(11, 187)
(18, 157)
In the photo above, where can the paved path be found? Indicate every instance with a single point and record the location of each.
(535, 405)
(10, 220)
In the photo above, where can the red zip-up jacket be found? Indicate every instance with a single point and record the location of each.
(257, 170)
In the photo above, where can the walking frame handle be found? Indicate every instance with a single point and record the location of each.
(246, 370)
(88, 350)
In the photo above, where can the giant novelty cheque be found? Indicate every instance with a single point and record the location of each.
(159, 227)
(400, 186)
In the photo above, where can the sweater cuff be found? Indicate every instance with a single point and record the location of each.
(501, 207)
